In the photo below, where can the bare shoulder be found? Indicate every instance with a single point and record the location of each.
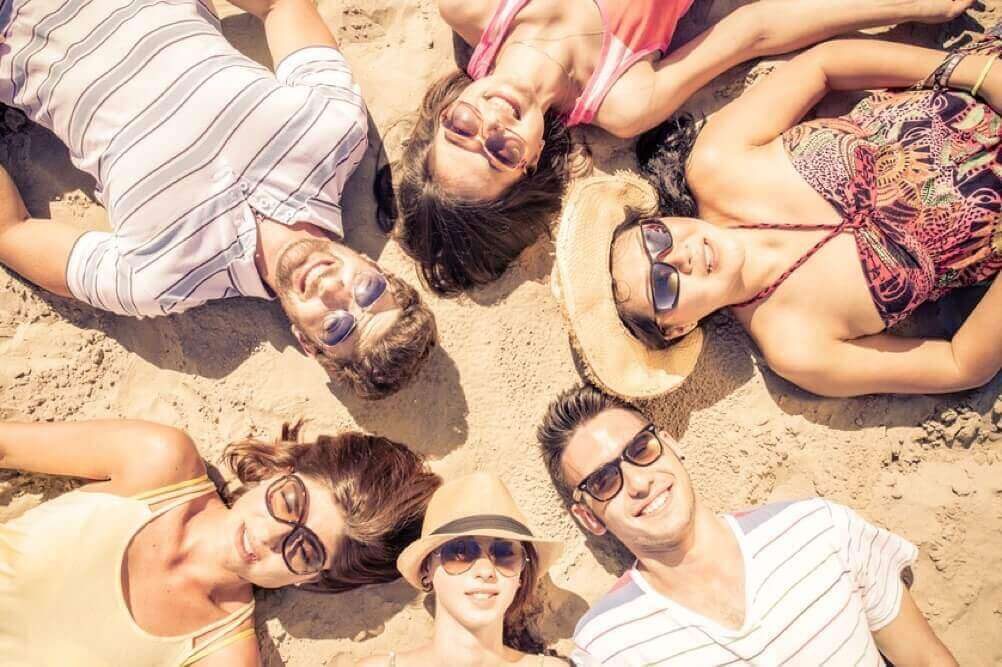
(791, 344)
(620, 114)
(552, 661)
(467, 17)
(371, 661)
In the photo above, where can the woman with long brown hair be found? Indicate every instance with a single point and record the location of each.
(484, 167)
(146, 565)
(483, 562)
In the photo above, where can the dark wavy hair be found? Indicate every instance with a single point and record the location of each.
(662, 154)
(461, 243)
(382, 486)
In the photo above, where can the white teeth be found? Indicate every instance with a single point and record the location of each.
(506, 104)
(656, 504)
(482, 596)
(247, 544)
(708, 257)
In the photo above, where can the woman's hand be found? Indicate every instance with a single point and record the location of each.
(939, 11)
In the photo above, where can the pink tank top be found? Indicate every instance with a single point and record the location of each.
(632, 29)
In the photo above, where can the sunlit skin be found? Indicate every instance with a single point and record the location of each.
(313, 276)
(264, 565)
(683, 548)
(468, 631)
(466, 170)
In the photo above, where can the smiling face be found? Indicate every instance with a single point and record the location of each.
(251, 539)
(463, 166)
(317, 282)
(478, 597)
(654, 510)
(708, 262)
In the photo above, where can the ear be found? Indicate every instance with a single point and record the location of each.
(587, 518)
(309, 347)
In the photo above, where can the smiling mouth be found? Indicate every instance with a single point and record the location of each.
(709, 257)
(311, 274)
(482, 596)
(244, 546)
(503, 101)
(657, 503)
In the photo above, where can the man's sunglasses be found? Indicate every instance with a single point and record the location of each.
(288, 501)
(464, 126)
(605, 483)
(664, 277)
(458, 555)
(339, 324)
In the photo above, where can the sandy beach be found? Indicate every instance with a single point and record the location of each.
(928, 468)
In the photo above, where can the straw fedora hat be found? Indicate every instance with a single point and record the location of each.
(614, 360)
(477, 504)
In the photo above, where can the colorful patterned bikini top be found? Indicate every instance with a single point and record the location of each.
(917, 179)
(632, 29)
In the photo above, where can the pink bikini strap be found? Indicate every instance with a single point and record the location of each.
(493, 37)
(834, 230)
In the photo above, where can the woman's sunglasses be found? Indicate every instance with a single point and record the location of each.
(339, 324)
(605, 483)
(288, 501)
(464, 126)
(458, 555)
(664, 277)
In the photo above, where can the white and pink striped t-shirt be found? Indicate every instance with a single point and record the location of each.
(819, 581)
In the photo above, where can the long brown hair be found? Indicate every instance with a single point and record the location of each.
(462, 243)
(382, 486)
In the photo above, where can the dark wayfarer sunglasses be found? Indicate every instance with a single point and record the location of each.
(605, 483)
(288, 501)
(464, 126)
(458, 555)
(339, 324)
(664, 277)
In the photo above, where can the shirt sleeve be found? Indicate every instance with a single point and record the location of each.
(875, 558)
(325, 70)
(98, 274)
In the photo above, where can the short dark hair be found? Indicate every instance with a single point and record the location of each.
(571, 410)
(384, 366)
(460, 243)
(382, 486)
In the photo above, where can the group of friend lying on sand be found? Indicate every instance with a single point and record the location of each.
(222, 178)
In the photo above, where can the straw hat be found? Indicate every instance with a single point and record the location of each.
(477, 504)
(614, 359)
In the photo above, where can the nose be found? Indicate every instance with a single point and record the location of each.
(637, 480)
(273, 533)
(679, 256)
(483, 568)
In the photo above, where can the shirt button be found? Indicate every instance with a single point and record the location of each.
(244, 186)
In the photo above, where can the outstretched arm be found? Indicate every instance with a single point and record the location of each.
(121, 457)
(908, 639)
(886, 364)
(767, 27)
(289, 25)
(36, 249)
(780, 101)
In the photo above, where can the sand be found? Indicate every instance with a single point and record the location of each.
(926, 467)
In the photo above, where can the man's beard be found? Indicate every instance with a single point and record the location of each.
(292, 258)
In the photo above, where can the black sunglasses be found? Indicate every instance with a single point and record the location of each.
(339, 324)
(458, 555)
(664, 277)
(605, 483)
(288, 501)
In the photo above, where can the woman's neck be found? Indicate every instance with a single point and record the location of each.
(200, 556)
(768, 254)
(544, 68)
(455, 644)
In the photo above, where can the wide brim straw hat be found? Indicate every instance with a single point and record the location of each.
(614, 359)
(477, 504)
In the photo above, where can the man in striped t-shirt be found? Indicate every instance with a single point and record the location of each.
(220, 178)
(800, 583)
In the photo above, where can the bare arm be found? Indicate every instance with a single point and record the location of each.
(884, 363)
(780, 101)
(908, 639)
(289, 25)
(36, 249)
(121, 457)
(762, 28)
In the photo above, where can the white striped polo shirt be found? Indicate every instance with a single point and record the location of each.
(185, 136)
(819, 580)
